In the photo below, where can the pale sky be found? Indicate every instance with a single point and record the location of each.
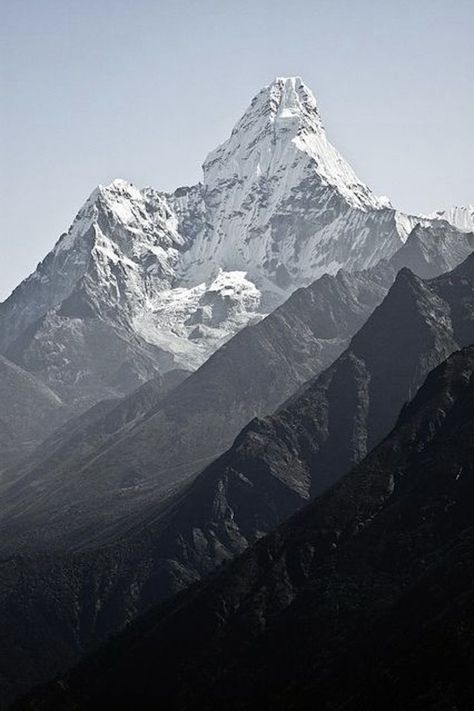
(144, 89)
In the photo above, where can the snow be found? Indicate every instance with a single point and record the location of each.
(406, 223)
(286, 105)
(193, 322)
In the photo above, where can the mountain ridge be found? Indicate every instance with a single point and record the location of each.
(29, 411)
(251, 375)
(352, 600)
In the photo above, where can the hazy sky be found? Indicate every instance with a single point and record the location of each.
(143, 89)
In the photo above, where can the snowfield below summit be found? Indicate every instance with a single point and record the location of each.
(193, 322)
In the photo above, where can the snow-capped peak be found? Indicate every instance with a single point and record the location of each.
(282, 129)
(278, 207)
(134, 219)
(286, 103)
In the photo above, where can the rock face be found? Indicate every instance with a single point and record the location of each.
(70, 321)
(29, 411)
(434, 249)
(276, 465)
(363, 600)
(145, 282)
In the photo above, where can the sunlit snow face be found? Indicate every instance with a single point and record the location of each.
(193, 322)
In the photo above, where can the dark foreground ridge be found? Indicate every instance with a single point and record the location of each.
(365, 599)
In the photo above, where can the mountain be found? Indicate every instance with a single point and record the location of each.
(29, 411)
(69, 322)
(282, 203)
(363, 600)
(107, 462)
(275, 466)
(145, 282)
(249, 376)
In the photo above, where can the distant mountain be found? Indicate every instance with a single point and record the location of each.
(145, 282)
(97, 428)
(434, 249)
(29, 411)
(275, 466)
(461, 217)
(363, 600)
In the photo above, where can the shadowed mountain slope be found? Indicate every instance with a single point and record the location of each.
(432, 249)
(362, 600)
(29, 411)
